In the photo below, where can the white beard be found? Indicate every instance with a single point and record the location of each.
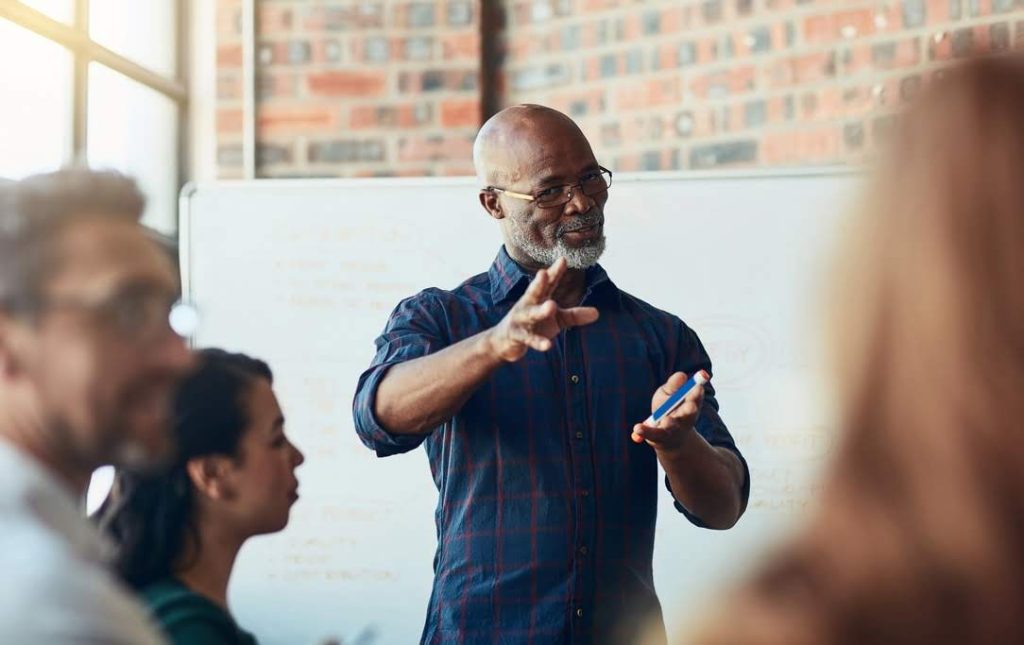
(582, 257)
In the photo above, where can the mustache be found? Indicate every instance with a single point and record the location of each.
(580, 222)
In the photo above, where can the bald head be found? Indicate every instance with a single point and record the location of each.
(516, 137)
(537, 156)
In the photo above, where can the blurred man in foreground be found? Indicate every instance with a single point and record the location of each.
(88, 370)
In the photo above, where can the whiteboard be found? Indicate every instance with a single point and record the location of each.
(303, 273)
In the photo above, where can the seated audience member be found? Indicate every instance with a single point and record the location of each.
(919, 535)
(178, 533)
(88, 370)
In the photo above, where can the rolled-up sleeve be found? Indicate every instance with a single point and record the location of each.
(414, 329)
(691, 357)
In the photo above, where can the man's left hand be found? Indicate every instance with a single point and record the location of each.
(672, 431)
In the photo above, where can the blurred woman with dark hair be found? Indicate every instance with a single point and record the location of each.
(234, 477)
(919, 537)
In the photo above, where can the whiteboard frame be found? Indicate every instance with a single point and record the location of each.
(191, 189)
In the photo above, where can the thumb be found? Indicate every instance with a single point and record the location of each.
(673, 383)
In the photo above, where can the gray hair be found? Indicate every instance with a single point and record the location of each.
(33, 211)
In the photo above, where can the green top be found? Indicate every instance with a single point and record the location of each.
(188, 618)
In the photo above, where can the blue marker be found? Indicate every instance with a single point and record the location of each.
(673, 401)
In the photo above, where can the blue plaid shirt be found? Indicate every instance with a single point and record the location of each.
(546, 508)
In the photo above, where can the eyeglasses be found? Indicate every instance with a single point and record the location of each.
(591, 184)
(135, 315)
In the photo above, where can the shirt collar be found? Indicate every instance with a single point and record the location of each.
(29, 490)
(509, 280)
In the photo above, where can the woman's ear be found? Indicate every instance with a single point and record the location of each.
(209, 475)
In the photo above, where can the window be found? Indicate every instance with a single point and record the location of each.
(141, 31)
(135, 130)
(62, 10)
(94, 82)
(35, 102)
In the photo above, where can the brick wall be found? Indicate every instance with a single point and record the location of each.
(354, 88)
(733, 83)
(350, 88)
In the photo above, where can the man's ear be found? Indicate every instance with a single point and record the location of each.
(489, 200)
(209, 476)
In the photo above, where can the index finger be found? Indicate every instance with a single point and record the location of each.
(555, 273)
(536, 292)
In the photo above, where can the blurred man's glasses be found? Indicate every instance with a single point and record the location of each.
(591, 184)
(136, 315)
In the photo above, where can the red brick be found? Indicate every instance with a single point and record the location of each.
(667, 56)
(414, 172)
(628, 163)
(272, 20)
(940, 46)
(776, 110)
(891, 18)
(320, 51)
(347, 83)
(521, 48)
(277, 84)
(647, 94)
(229, 121)
(440, 148)
(229, 18)
(829, 27)
(592, 101)
(706, 50)
(671, 20)
(736, 80)
(404, 115)
(460, 113)
(633, 27)
(801, 146)
(802, 69)
(285, 119)
(465, 45)
(229, 56)
(364, 117)
(229, 86)
(464, 170)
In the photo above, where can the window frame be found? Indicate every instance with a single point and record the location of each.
(84, 50)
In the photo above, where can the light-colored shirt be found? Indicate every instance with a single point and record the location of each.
(55, 587)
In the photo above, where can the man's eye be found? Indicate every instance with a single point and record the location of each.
(591, 177)
(129, 313)
(550, 192)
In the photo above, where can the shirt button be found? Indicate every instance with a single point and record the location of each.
(579, 613)
(583, 550)
(584, 492)
(579, 435)
(575, 379)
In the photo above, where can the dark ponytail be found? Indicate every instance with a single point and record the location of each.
(150, 517)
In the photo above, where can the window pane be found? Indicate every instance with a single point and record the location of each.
(35, 103)
(135, 130)
(142, 31)
(62, 10)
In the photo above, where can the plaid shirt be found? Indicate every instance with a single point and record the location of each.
(546, 508)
